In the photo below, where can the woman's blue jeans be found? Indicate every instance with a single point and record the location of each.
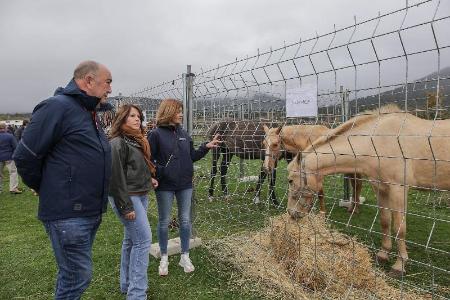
(165, 200)
(136, 244)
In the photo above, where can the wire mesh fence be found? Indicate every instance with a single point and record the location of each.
(387, 165)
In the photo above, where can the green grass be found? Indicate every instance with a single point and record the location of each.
(427, 266)
(428, 221)
(28, 268)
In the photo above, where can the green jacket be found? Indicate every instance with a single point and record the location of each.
(130, 173)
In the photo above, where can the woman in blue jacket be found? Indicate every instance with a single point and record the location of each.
(173, 153)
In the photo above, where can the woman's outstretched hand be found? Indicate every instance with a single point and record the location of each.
(214, 143)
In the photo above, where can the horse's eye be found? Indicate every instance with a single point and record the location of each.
(291, 181)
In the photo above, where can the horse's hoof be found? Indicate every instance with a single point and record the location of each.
(382, 257)
(210, 198)
(353, 208)
(396, 273)
(275, 203)
(354, 211)
(256, 200)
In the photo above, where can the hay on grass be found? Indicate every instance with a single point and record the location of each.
(308, 260)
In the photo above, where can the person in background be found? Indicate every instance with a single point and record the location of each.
(150, 125)
(131, 182)
(66, 158)
(173, 153)
(19, 131)
(11, 129)
(8, 144)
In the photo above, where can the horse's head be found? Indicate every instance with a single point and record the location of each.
(300, 195)
(272, 146)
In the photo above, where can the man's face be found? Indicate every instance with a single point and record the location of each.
(99, 84)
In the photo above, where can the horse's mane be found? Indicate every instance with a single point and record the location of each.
(356, 121)
(215, 128)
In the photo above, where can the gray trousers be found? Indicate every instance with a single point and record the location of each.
(13, 176)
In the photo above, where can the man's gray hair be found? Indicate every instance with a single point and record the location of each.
(85, 68)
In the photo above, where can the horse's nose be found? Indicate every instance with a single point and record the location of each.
(295, 214)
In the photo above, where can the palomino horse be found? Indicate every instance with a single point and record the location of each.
(295, 138)
(394, 149)
(243, 139)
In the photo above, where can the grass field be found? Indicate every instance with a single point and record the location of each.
(428, 222)
(28, 269)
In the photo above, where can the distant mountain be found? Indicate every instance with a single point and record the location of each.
(417, 93)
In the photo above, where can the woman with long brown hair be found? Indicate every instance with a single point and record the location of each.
(131, 181)
(173, 153)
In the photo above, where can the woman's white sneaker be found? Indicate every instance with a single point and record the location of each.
(186, 263)
(164, 266)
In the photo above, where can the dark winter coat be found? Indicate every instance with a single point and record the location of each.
(19, 133)
(8, 144)
(173, 153)
(65, 156)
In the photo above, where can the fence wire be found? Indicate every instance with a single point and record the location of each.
(393, 159)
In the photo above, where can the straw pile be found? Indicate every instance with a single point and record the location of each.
(319, 258)
(307, 260)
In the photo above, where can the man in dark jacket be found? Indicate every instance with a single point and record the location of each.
(19, 131)
(66, 158)
(7, 146)
(11, 129)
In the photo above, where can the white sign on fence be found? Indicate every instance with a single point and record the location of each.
(302, 101)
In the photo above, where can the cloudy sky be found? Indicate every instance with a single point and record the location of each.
(144, 42)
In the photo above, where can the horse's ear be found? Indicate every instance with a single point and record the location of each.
(279, 129)
(266, 129)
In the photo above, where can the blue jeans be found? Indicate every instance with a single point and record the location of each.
(137, 240)
(72, 241)
(165, 199)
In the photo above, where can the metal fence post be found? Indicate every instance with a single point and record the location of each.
(345, 117)
(188, 82)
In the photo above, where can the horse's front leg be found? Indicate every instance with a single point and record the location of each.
(356, 182)
(385, 221)
(272, 184)
(323, 208)
(399, 227)
(261, 178)
(226, 159)
(215, 158)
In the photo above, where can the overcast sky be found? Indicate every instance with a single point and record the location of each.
(144, 42)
